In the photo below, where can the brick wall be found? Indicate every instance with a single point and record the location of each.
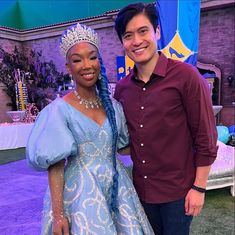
(217, 46)
(110, 47)
(50, 50)
(9, 45)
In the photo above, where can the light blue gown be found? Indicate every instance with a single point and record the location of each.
(62, 132)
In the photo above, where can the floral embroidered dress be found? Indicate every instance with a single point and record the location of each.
(63, 132)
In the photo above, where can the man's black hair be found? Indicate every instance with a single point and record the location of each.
(128, 12)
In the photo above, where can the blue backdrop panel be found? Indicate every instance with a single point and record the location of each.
(179, 26)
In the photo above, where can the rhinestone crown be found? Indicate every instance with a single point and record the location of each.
(76, 34)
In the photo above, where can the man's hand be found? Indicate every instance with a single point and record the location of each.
(194, 202)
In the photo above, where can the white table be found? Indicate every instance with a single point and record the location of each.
(14, 135)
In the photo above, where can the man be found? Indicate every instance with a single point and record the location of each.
(171, 124)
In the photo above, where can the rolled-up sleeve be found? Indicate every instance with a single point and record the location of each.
(201, 120)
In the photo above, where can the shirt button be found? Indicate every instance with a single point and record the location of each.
(145, 176)
(144, 89)
(141, 125)
(143, 161)
(142, 107)
(141, 144)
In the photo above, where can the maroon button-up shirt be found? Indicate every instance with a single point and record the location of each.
(172, 129)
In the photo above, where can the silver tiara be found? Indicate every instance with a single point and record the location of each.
(76, 34)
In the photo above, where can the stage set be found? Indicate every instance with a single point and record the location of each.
(22, 188)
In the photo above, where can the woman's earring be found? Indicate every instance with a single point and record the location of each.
(71, 80)
(99, 77)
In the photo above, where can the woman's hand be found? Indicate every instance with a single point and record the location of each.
(60, 225)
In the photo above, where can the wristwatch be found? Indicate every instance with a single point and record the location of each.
(200, 190)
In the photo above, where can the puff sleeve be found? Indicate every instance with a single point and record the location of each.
(123, 135)
(51, 139)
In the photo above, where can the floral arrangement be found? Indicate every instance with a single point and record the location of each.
(42, 79)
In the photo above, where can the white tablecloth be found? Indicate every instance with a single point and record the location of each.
(14, 135)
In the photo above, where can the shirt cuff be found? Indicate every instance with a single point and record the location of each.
(202, 160)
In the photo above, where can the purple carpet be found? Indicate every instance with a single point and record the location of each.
(21, 196)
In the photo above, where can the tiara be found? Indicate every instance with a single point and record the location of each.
(76, 34)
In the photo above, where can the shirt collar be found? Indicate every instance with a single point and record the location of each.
(161, 66)
(159, 70)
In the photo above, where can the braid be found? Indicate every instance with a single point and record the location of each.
(102, 86)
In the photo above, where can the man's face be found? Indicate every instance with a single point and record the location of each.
(140, 40)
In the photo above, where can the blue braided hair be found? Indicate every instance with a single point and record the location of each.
(102, 86)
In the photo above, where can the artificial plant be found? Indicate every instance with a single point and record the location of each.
(41, 77)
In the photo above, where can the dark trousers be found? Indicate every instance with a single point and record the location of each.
(168, 218)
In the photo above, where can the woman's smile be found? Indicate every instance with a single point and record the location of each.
(88, 76)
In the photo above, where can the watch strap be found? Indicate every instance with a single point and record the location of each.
(200, 190)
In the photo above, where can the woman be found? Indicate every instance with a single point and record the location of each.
(76, 138)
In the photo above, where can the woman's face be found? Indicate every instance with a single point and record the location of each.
(83, 64)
